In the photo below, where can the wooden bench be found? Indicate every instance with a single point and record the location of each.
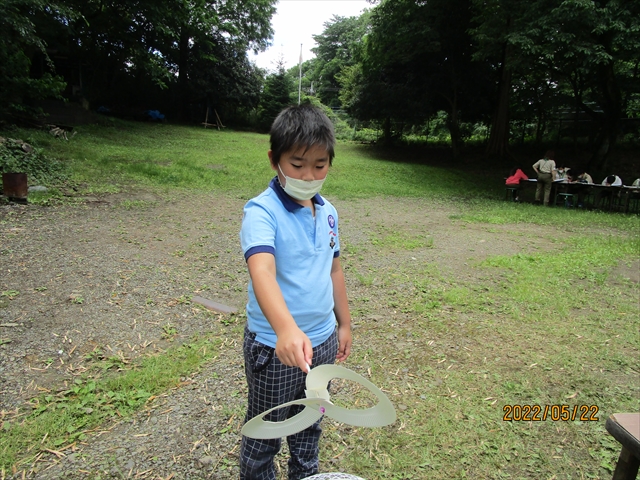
(625, 428)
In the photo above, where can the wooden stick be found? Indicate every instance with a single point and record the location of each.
(211, 305)
(219, 121)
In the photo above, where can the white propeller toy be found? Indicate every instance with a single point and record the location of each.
(318, 403)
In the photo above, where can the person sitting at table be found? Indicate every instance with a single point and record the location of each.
(583, 177)
(612, 181)
(636, 183)
(561, 173)
(513, 180)
(545, 169)
(570, 174)
(603, 195)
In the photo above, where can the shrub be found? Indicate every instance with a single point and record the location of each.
(20, 157)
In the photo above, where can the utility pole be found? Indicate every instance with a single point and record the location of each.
(300, 76)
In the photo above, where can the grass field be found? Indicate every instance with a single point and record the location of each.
(451, 421)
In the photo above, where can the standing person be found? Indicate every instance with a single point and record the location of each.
(297, 313)
(544, 168)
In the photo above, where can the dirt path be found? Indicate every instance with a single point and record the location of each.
(114, 274)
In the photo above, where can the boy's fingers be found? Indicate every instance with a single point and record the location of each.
(307, 352)
(301, 361)
(344, 350)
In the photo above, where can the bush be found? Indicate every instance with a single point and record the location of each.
(20, 157)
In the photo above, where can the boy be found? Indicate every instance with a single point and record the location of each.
(297, 292)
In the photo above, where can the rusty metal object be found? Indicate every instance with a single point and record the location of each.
(14, 186)
(211, 305)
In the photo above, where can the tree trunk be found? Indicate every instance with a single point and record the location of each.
(453, 122)
(183, 73)
(454, 127)
(612, 112)
(499, 138)
(386, 131)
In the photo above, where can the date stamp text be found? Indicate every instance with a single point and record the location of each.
(556, 413)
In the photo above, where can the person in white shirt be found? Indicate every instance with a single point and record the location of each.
(612, 181)
(609, 196)
(584, 177)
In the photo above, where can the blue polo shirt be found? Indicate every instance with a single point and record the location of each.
(304, 248)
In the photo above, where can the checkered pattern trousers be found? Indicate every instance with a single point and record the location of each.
(271, 383)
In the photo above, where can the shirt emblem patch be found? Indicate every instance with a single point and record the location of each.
(332, 221)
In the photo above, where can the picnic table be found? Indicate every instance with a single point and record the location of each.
(625, 428)
(593, 195)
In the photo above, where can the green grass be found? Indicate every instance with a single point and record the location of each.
(547, 328)
(168, 156)
(502, 213)
(552, 328)
(60, 419)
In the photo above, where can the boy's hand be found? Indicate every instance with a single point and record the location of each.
(293, 348)
(344, 343)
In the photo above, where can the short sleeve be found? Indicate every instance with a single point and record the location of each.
(258, 231)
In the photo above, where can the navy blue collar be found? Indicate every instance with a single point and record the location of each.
(286, 200)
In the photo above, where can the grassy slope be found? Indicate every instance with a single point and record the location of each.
(450, 427)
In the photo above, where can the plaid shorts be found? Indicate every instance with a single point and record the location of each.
(272, 383)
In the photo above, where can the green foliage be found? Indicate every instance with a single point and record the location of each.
(416, 60)
(133, 55)
(19, 92)
(19, 157)
(570, 56)
(337, 48)
(277, 95)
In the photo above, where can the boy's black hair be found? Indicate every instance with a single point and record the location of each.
(611, 179)
(301, 126)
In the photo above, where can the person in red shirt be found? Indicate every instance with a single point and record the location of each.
(515, 176)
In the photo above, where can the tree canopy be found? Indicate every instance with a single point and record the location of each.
(566, 65)
(543, 69)
(170, 53)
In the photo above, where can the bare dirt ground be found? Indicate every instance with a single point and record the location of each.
(115, 273)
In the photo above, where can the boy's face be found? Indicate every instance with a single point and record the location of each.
(312, 164)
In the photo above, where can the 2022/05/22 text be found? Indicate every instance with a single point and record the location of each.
(556, 413)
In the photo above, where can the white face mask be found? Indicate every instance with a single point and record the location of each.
(301, 189)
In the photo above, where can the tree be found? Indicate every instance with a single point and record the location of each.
(245, 24)
(119, 52)
(276, 95)
(337, 49)
(415, 61)
(593, 42)
(19, 42)
(579, 45)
